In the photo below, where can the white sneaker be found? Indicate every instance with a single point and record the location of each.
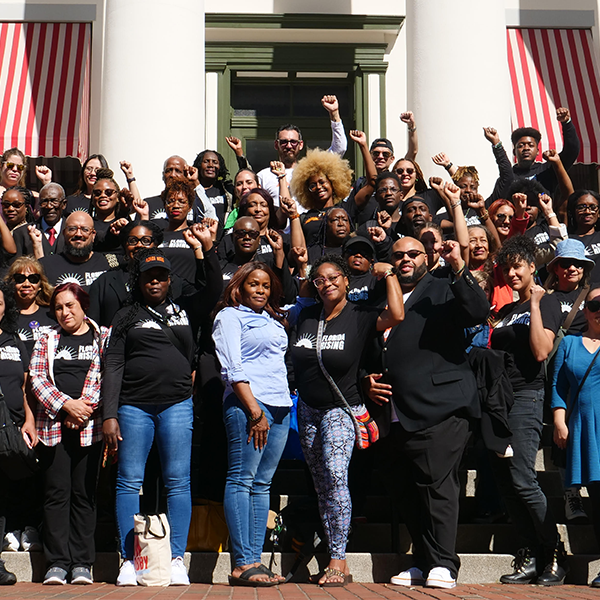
(574, 510)
(12, 541)
(440, 577)
(127, 574)
(413, 576)
(179, 574)
(30, 540)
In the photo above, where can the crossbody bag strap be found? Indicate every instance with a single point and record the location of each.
(571, 316)
(572, 406)
(332, 383)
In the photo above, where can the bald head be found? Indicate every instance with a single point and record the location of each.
(79, 235)
(409, 258)
(246, 236)
(174, 166)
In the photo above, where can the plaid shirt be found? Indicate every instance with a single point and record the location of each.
(51, 399)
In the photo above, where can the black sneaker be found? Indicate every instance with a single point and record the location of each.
(525, 570)
(6, 577)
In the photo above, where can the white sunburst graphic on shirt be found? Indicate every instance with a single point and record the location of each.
(306, 340)
(147, 324)
(70, 278)
(25, 335)
(65, 353)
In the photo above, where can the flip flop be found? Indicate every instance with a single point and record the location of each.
(264, 569)
(245, 581)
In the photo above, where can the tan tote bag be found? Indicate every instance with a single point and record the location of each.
(152, 550)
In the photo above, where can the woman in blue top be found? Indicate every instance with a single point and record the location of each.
(577, 419)
(251, 342)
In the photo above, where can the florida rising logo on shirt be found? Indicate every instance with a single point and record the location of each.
(335, 341)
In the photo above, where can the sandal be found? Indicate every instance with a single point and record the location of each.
(330, 572)
(245, 581)
(264, 569)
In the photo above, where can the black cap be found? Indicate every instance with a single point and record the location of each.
(382, 142)
(358, 241)
(416, 199)
(154, 260)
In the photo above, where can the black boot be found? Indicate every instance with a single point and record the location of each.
(524, 568)
(556, 569)
(6, 577)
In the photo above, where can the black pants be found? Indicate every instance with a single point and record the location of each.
(423, 467)
(70, 477)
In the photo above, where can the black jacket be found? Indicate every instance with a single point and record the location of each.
(25, 245)
(424, 357)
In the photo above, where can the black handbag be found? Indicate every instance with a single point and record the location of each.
(17, 459)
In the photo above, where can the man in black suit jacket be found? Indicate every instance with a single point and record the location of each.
(52, 203)
(425, 372)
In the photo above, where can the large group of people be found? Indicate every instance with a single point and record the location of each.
(387, 306)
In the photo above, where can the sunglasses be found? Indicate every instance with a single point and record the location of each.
(593, 305)
(399, 255)
(7, 204)
(108, 193)
(292, 143)
(240, 234)
(408, 171)
(178, 201)
(504, 217)
(11, 165)
(565, 263)
(382, 153)
(32, 278)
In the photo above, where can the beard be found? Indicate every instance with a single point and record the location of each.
(83, 252)
(417, 274)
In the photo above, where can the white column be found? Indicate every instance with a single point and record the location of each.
(458, 81)
(153, 85)
(374, 107)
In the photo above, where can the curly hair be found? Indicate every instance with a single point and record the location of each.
(81, 185)
(25, 263)
(516, 250)
(420, 183)
(572, 203)
(468, 171)
(8, 323)
(321, 162)
(530, 187)
(179, 185)
(337, 260)
(16, 152)
(223, 174)
(232, 296)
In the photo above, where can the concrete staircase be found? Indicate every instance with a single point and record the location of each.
(379, 547)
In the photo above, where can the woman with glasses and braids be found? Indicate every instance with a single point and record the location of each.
(576, 409)
(17, 203)
(582, 214)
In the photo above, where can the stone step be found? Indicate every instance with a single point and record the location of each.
(206, 567)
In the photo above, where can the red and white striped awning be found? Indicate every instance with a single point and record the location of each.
(44, 88)
(550, 68)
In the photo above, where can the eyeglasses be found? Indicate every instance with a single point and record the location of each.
(592, 208)
(7, 204)
(593, 305)
(240, 234)
(323, 281)
(178, 201)
(565, 263)
(312, 187)
(384, 190)
(399, 255)
(145, 240)
(382, 153)
(32, 278)
(292, 143)
(11, 165)
(108, 193)
(47, 202)
(90, 170)
(408, 171)
(75, 228)
(504, 217)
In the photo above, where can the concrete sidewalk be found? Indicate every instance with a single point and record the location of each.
(291, 591)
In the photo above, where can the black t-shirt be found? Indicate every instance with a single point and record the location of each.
(539, 233)
(592, 250)
(156, 208)
(181, 255)
(72, 361)
(31, 327)
(77, 202)
(105, 241)
(155, 371)
(219, 202)
(61, 270)
(14, 362)
(565, 302)
(312, 221)
(317, 250)
(344, 338)
(366, 289)
(511, 334)
(226, 248)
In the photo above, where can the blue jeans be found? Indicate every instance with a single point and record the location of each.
(517, 478)
(249, 477)
(171, 425)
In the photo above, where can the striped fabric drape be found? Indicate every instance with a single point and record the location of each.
(551, 68)
(44, 88)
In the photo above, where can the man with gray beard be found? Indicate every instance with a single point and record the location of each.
(78, 262)
(423, 369)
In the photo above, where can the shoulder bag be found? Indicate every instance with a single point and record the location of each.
(365, 428)
(152, 550)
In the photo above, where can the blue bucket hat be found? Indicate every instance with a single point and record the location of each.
(570, 248)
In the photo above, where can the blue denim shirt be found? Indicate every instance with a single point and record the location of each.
(251, 347)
